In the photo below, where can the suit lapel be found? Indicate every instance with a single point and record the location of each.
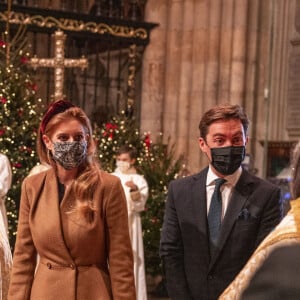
(198, 190)
(238, 199)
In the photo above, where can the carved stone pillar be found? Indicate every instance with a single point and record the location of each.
(154, 69)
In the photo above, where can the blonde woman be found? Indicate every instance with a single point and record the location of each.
(74, 217)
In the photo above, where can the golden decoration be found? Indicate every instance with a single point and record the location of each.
(58, 63)
(131, 77)
(74, 25)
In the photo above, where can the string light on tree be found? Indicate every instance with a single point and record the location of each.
(20, 113)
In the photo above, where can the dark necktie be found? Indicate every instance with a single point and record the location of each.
(215, 215)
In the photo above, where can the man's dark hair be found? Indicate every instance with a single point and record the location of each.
(222, 112)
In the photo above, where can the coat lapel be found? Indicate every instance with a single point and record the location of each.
(55, 213)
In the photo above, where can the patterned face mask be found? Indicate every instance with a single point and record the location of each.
(69, 154)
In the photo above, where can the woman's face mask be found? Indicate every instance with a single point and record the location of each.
(123, 166)
(69, 154)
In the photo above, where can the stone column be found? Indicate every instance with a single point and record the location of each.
(154, 68)
(238, 64)
(198, 102)
(173, 72)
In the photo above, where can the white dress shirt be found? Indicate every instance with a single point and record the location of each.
(226, 188)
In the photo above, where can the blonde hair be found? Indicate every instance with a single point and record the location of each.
(88, 178)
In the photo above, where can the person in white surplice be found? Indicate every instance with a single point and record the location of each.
(5, 184)
(136, 191)
(5, 252)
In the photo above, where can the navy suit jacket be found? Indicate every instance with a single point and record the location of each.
(254, 210)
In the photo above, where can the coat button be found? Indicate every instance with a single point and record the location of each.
(49, 265)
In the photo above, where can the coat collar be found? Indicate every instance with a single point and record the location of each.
(56, 210)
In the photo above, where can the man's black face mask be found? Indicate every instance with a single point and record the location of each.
(227, 160)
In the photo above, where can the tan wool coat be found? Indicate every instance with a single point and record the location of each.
(78, 258)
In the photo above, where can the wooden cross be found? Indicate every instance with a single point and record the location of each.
(59, 63)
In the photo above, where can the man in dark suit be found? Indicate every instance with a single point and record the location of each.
(211, 230)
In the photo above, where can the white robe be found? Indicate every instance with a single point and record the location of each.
(5, 261)
(5, 184)
(135, 227)
(5, 252)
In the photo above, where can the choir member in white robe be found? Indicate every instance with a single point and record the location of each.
(136, 192)
(5, 261)
(5, 251)
(5, 184)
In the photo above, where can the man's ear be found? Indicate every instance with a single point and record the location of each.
(247, 139)
(202, 144)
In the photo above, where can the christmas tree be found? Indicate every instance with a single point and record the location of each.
(156, 161)
(19, 119)
(120, 130)
(159, 167)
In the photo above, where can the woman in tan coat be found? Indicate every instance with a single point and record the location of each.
(73, 216)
